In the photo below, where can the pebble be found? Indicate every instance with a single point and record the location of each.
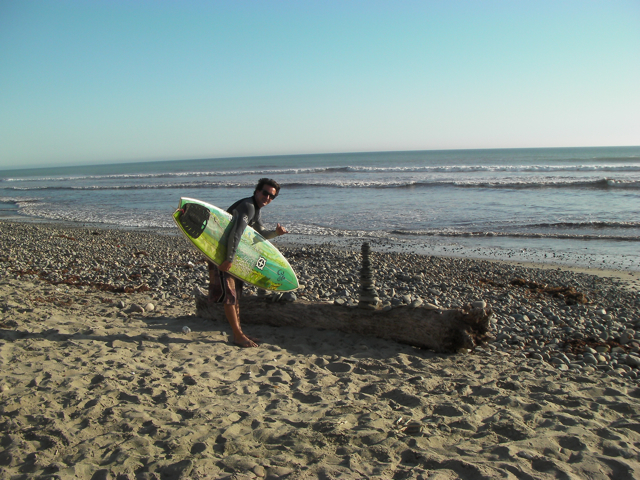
(135, 308)
(413, 428)
(633, 361)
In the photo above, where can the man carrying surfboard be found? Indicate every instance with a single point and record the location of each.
(223, 287)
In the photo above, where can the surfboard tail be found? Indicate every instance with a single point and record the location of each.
(194, 218)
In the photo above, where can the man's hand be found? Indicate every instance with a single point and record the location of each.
(225, 266)
(280, 230)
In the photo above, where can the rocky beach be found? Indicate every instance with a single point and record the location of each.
(109, 373)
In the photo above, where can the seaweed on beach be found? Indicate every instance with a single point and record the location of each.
(60, 302)
(579, 345)
(569, 294)
(76, 281)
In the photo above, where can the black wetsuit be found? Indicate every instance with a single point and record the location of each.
(245, 213)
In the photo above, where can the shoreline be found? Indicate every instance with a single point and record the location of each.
(99, 380)
(631, 278)
(625, 270)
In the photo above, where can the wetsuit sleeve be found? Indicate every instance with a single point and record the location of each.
(258, 226)
(242, 215)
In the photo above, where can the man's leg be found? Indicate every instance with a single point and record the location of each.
(232, 312)
(225, 288)
(216, 287)
(239, 338)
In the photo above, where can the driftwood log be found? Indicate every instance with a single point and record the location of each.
(440, 330)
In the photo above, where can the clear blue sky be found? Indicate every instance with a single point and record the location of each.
(125, 80)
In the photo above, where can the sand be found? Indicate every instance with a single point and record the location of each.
(91, 389)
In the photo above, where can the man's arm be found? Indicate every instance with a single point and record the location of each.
(280, 230)
(242, 214)
(269, 234)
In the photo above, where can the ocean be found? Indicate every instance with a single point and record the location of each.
(565, 206)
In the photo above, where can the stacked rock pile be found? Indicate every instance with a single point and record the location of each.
(368, 296)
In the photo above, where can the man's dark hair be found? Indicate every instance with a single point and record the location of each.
(267, 181)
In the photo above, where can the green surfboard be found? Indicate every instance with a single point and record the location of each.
(257, 261)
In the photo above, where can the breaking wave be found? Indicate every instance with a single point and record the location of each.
(450, 169)
(507, 183)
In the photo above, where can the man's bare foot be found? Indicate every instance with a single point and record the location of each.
(245, 342)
